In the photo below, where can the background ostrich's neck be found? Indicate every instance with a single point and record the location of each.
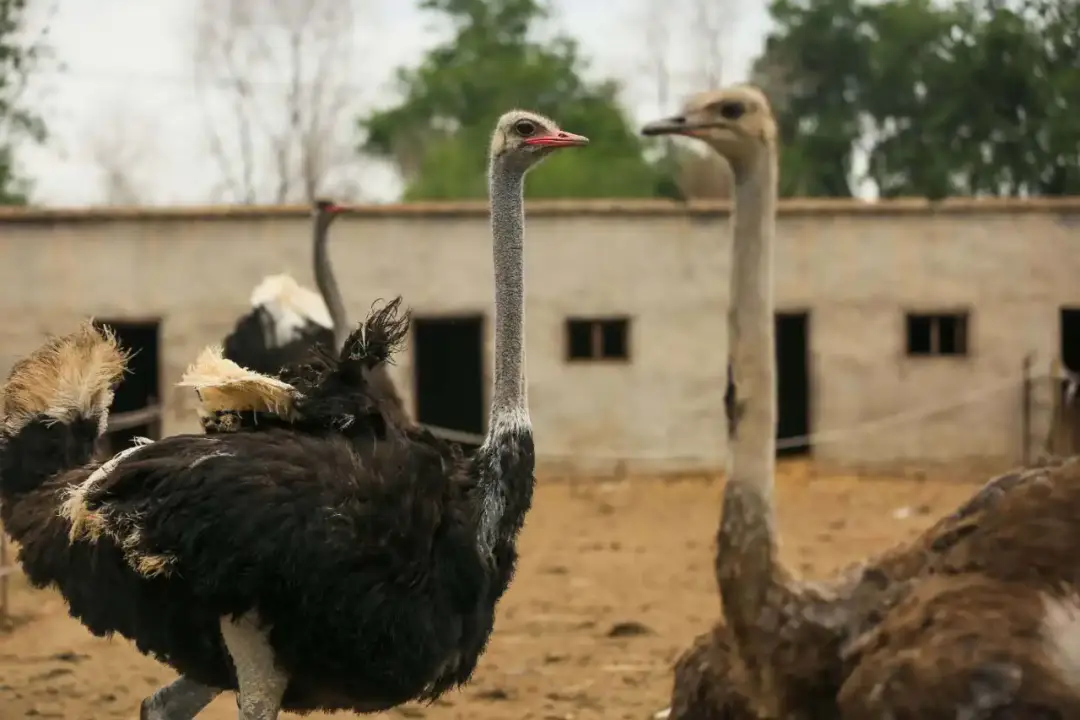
(746, 545)
(327, 283)
(325, 280)
(505, 460)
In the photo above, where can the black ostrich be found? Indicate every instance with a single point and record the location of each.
(339, 561)
(287, 320)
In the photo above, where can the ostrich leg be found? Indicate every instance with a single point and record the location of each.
(261, 685)
(182, 699)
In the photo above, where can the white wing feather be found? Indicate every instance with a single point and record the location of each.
(291, 306)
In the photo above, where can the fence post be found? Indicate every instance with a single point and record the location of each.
(1025, 411)
(4, 579)
(1056, 415)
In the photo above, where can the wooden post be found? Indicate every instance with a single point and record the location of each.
(4, 579)
(1056, 415)
(1025, 411)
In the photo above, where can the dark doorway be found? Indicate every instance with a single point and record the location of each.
(1064, 438)
(448, 373)
(793, 383)
(132, 413)
(1070, 338)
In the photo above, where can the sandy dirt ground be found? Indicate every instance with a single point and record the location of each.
(614, 581)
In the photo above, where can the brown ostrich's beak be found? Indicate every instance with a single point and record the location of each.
(559, 139)
(674, 125)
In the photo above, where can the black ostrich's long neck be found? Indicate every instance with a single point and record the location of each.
(326, 282)
(506, 460)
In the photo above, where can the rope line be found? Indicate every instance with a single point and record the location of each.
(823, 437)
(905, 417)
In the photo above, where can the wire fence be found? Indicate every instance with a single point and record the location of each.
(906, 417)
(1063, 393)
(822, 437)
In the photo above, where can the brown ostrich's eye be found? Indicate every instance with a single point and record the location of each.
(525, 128)
(731, 110)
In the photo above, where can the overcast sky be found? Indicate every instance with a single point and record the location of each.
(127, 87)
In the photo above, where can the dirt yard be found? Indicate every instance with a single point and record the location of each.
(614, 581)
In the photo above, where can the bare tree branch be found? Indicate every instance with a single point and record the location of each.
(658, 45)
(685, 42)
(710, 32)
(278, 107)
(215, 68)
(119, 146)
(681, 59)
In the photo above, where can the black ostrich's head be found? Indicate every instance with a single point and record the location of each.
(524, 138)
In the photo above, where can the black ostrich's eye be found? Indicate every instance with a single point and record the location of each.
(525, 128)
(730, 110)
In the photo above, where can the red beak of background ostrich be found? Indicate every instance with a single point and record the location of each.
(559, 139)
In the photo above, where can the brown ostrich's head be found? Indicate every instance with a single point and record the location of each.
(736, 121)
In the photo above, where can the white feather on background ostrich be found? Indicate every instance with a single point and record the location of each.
(293, 308)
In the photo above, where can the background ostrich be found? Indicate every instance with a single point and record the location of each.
(978, 617)
(344, 562)
(287, 320)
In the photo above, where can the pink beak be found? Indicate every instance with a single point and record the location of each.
(559, 139)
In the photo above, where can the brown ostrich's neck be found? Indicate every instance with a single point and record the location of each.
(746, 564)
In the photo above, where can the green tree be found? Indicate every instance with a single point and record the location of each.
(990, 107)
(439, 132)
(20, 56)
(908, 89)
(814, 70)
(962, 98)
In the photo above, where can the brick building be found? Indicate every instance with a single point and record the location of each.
(886, 311)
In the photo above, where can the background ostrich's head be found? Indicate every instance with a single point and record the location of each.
(326, 207)
(522, 139)
(736, 121)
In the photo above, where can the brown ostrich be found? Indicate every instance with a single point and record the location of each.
(978, 617)
(704, 688)
(779, 629)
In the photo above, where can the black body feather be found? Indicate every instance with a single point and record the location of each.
(355, 539)
(252, 345)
